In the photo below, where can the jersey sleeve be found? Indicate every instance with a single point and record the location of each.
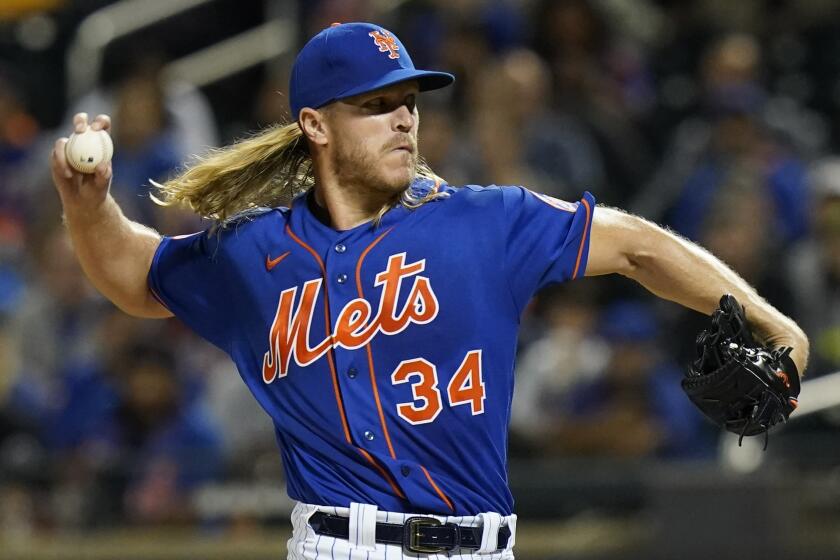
(187, 277)
(547, 240)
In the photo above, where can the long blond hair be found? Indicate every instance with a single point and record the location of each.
(265, 170)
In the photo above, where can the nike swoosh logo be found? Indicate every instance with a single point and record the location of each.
(271, 263)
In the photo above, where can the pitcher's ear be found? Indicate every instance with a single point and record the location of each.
(313, 124)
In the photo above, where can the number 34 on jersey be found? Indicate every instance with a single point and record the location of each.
(465, 388)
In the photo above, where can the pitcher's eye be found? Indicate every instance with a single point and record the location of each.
(375, 103)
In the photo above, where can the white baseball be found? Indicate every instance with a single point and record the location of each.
(86, 150)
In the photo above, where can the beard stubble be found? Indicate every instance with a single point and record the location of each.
(359, 170)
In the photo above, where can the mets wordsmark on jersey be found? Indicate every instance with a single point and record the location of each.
(356, 324)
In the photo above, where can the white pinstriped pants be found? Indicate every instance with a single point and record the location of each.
(305, 544)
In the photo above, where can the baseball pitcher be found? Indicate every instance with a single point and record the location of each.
(374, 317)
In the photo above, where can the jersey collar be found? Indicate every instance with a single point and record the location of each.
(306, 221)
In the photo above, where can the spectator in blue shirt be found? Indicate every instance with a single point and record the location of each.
(139, 435)
(635, 408)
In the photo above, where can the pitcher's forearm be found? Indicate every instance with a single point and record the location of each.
(678, 270)
(115, 254)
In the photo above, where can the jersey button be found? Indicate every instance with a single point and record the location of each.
(369, 435)
(340, 248)
(352, 372)
(405, 470)
(341, 279)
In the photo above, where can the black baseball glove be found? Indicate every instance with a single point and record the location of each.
(737, 383)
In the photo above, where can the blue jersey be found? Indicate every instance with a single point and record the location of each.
(383, 354)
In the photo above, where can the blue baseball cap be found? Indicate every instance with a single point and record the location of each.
(347, 59)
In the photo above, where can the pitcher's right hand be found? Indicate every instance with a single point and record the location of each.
(81, 192)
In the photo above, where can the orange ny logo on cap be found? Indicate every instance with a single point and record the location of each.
(386, 43)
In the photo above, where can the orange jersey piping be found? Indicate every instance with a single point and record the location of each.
(583, 238)
(368, 350)
(334, 374)
(438, 490)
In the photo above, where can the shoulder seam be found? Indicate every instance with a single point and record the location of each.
(505, 226)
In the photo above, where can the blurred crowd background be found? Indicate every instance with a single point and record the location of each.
(720, 119)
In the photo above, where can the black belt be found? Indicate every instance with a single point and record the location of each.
(417, 534)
